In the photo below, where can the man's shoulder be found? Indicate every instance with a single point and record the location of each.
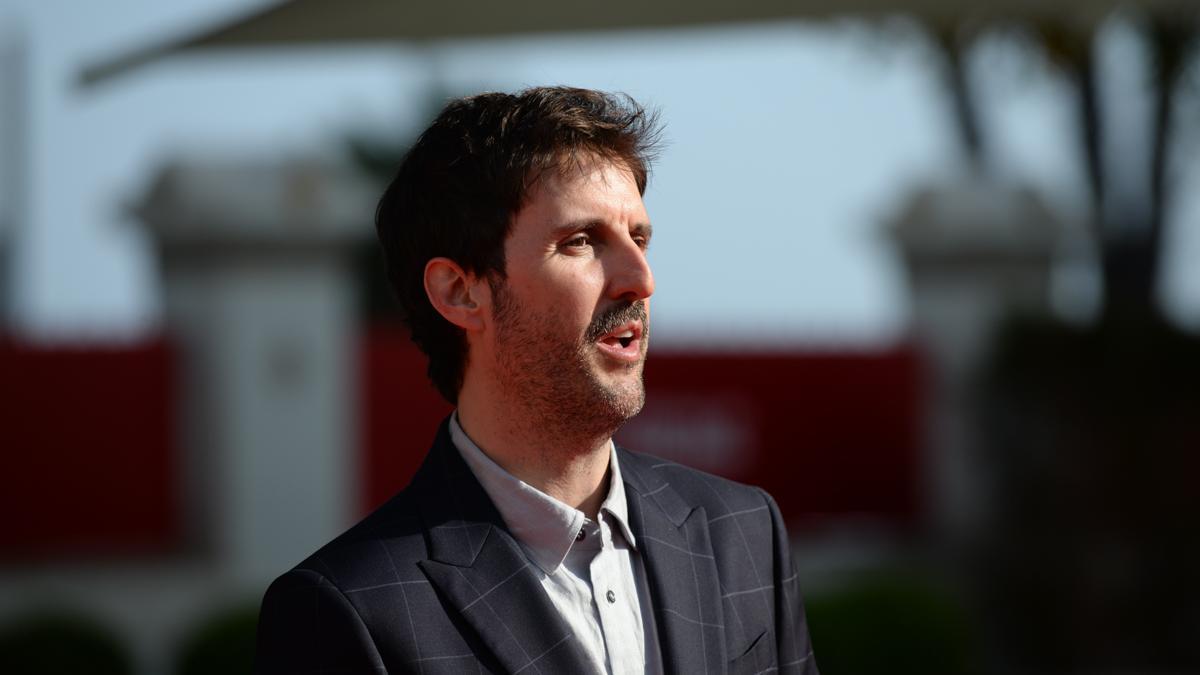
(717, 495)
(373, 551)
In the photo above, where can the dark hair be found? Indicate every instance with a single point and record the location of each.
(462, 183)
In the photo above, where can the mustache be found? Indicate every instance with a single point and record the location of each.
(616, 316)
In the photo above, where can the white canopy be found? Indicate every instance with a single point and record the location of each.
(294, 22)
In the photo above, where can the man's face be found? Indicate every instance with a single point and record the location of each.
(572, 317)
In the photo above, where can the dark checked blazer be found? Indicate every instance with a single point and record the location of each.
(432, 582)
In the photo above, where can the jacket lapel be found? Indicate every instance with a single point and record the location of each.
(482, 572)
(673, 538)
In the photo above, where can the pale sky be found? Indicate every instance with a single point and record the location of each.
(789, 147)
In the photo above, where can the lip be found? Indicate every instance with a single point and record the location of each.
(631, 353)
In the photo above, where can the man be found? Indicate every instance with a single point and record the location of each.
(516, 240)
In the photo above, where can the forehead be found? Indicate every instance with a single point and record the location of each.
(593, 190)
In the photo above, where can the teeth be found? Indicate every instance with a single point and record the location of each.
(626, 334)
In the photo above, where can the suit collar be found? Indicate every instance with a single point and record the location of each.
(456, 511)
(680, 567)
(482, 572)
(642, 481)
(484, 575)
(545, 527)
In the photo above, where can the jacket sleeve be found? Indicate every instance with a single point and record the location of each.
(307, 625)
(791, 626)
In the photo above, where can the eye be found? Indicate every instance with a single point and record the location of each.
(578, 241)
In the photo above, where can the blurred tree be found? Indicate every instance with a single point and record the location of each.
(222, 644)
(62, 643)
(1127, 219)
(891, 623)
(1091, 560)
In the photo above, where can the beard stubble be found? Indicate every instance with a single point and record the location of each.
(551, 377)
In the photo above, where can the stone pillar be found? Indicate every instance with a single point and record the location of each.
(974, 252)
(260, 302)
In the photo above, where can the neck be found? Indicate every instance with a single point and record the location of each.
(571, 467)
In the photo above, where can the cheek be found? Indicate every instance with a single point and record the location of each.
(555, 312)
(571, 315)
(576, 291)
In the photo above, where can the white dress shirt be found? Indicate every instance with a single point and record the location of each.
(591, 571)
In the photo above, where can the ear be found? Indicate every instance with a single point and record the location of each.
(458, 296)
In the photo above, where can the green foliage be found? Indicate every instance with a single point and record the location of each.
(890, 624)
(61, 643)
(223, 644)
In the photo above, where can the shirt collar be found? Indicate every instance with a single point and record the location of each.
(545, 526)
(615, 503)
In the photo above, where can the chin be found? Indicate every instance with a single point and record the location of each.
(626, 399)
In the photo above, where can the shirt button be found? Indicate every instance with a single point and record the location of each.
(580, 535)
(612, 597)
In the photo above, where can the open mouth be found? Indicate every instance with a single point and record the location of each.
(623, 343)
(624, 335)
(624, 338)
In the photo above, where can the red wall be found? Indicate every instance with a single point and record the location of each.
(88, 460)
(400, 414)
(831, 435)
(86, 450)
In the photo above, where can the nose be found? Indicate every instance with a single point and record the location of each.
(630, 277)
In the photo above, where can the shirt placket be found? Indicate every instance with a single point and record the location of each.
(617, 615)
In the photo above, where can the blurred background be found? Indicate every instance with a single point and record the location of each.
(925, 271)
